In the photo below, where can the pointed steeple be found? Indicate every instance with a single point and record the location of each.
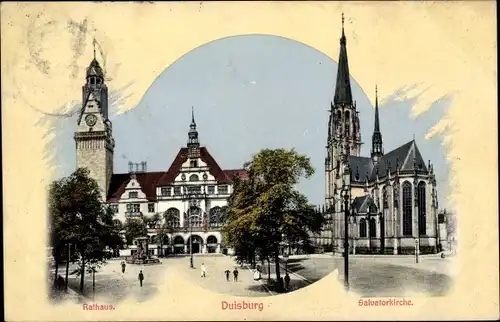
(193, 143)
(377, 147)
(343, 94)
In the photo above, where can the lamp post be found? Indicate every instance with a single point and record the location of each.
(346, 179)
(192, 199)
(416, 250)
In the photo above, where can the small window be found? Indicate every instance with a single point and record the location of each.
(194, 177)
(211, 190)
(177, 191)
(223, 190)
(193, 163)
(194, 189)
(151, 207)
(166, 191)
(133, 207)
(133, 194)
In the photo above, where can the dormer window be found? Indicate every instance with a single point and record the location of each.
(133, 195)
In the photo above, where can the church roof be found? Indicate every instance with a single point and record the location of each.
(364, 168)
(362, 204)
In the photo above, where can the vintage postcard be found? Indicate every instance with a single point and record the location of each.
(250, 161)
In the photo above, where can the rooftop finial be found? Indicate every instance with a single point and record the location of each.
(94, 43)
(192, 114)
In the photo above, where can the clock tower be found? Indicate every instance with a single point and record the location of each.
(93, 136)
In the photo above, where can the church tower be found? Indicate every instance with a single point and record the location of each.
(93, 136)
(344, 136)
(377, 147)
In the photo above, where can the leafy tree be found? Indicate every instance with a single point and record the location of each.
(135, 227)
(266, 211)
(78, 217)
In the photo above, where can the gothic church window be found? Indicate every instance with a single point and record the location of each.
(362, 228)
(385, 194)
(395, 194)
(347, 123)
(407, 209)
(373, 227)
(421, 208)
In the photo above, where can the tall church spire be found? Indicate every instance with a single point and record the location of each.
(343, 94)
(377, 148)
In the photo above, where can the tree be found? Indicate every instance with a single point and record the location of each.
(79, 218)
(135, 227)
(266, 211)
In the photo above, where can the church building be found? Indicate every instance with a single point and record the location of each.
(191, 194)
(391, 195)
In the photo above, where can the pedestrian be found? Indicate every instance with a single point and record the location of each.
(141, 277)
(227, 272)
(287, 281)
(123, 266)
(235, 274)
(281, 282)
(203, 270)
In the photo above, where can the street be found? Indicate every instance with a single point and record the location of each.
(110, 283)
(377, 275)
(369, 276)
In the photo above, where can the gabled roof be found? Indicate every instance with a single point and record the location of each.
(147, 181)
(221, 176)
(150, 180)
(402, 156)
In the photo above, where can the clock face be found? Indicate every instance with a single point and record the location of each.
(91, 119)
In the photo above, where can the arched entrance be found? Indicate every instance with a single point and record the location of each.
(212, 244)
(197, 244)
(178, 245)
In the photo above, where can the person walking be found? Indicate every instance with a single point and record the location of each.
(235, 274)
(203, 270)
(287, 281)
(227, 272)
(141, 277)
(123, 266)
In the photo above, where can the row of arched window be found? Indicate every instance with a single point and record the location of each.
(407, 206)
(194, 216)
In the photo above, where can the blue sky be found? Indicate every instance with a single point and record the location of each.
(251, 92)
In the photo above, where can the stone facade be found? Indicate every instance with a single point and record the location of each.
(391, 197)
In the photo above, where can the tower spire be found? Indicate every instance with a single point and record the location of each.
(343, 94)
(94, 43)
(377, 148)
(193, 143)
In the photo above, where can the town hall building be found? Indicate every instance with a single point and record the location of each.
(391, 195)
(191, 194)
